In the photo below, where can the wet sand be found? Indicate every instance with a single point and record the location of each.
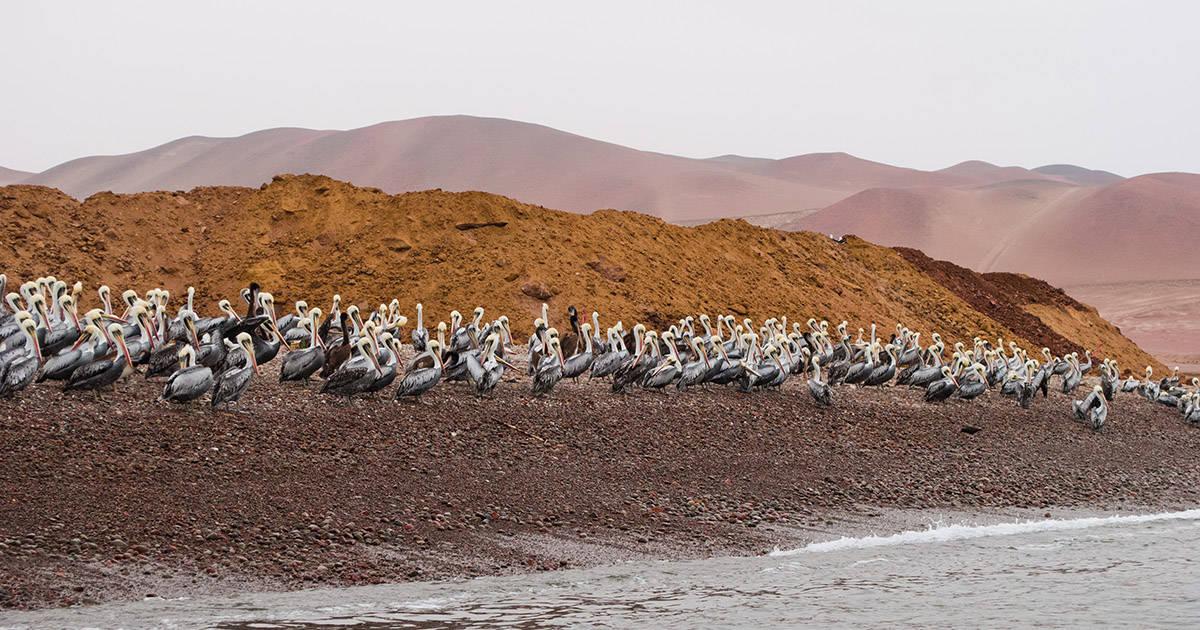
(118, 497)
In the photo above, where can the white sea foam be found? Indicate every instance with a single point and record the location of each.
(943, 533)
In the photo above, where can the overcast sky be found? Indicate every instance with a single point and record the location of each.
(1112, 85)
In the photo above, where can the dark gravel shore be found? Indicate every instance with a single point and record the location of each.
(120, 497)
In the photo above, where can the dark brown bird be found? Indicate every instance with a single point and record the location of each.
(570, 342)
(335, 357)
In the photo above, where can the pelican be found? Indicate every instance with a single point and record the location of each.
(234, 382)
(18, 373)
(355, 377)
(486, 374)
(166, 360)
(942, 389)
(1073, 375)
(974, 388)
(335, 357)
(190, 381)
(420, 380)
(578, 363)
(389, 349)
(1148, 388)
(104, 371)
(300, 365)
(611, 359)
(664, 374)
(550, 369)
(420, 336)
(695, 372)
(820, 391)
(460, 341)
(1092, 409)
(1028, 390)
(1012, 385)
(1191, 408)
(1108, 380)
(635, 368)
(60, 366)
(291, 320)
(884, 373)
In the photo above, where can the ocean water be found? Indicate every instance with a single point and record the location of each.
(1129, 571)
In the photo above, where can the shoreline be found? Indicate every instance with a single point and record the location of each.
(230, 604)
(118, 499)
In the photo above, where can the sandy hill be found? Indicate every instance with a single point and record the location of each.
(525, 161)
(980, 172)
(841, 171)
(310, 236)
(1144, 228)
(459, 153)
(1079, 175)
(11, 176)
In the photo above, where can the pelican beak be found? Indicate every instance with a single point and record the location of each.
(253, 359)
(125, 351)
(187, 323)
(501, 361)
(37, 348)
(150, 333)
(375, 362)
(79, 342)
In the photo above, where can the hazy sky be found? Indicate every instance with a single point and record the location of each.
(1113, 85)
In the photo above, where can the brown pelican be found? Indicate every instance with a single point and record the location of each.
(820, 390)
(1108, 379)
(234, 382)
(1073, 375)
(695, 372)
(486, 374)
(60, 366)
(459, 339)
(335, 357)
(166, 360)
(765, 372)
(389, 350)
(1092, 409)
(291, 320)
(190, 381)
(664, 374)
(883, 374)
(355, 377)
(727, 369)
(550, 369)
(299, 365)
(1190, 408)
(612, 358)
(972, 389)
(1012, 385)
(19, 372)
(1170, 381)
(581, 361)
(420, 336)
(641, 362)
(940, 390)
(106, 370)
(420, 380)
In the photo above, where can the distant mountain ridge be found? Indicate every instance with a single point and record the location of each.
(530, 162)
(11, 176)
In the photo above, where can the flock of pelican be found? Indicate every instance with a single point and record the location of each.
(352, 351)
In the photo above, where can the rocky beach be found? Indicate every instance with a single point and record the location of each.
(117, 497)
